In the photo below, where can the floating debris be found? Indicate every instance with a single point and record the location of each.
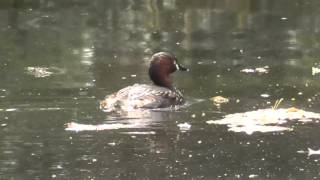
(259, 70)
(218, 100)
(265, 120)
(302, 151)
(112, 144)
(313, 152)
(11, 109)
(277, 103)
(248, 71)
(310, 152)
(262, 69)
(315, 70)
(40, 72)
(252, 176)
(265, 95)
(184, 126)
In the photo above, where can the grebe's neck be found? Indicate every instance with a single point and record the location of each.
(160, 78)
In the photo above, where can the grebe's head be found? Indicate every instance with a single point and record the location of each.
(161, 66)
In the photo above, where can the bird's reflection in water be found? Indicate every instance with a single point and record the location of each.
(140, 119)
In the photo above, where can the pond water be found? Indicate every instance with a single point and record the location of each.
(58, 59)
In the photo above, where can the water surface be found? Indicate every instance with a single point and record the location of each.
(59, 58)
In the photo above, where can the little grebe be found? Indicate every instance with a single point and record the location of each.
(161, 94)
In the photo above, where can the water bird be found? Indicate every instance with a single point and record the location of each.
(160, 94)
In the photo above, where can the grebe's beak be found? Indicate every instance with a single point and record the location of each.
(179, 67)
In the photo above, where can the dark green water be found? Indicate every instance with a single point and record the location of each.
(93, 48)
